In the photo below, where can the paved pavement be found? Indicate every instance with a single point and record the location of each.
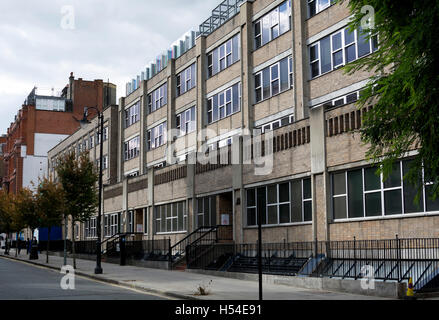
(183, 285)
(22, 281)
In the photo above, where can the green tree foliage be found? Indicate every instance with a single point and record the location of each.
(50, 205)
(78, 179)
(26, 211)
(404, 91)
(7, 212)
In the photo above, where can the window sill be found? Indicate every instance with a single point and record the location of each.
(169, 233)
(279, 225)
(377, 218)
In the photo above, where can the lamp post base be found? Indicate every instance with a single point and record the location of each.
(98, 270)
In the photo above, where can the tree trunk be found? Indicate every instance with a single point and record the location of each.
(48, 245)
(73, 245)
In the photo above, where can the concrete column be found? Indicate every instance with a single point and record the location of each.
(150, 202)
(143, 115)
(247, 78)
(171, 121)
(319, 175)
(121, 139)
(201, 84)
(301, 73)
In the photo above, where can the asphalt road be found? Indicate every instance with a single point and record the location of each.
(21, 281)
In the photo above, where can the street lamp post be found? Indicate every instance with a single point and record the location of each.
(83, 122)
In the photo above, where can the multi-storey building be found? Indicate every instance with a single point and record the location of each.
(44, 121)
(273, 66)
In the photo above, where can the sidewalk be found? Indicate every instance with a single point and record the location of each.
(183, 285)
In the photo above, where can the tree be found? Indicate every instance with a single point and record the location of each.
(78, 178)
(26, 209)
(405, 90)
(50, 201)
(6, 216)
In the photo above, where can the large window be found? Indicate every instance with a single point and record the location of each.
(132, 148)
(186, 79)
(170, 217)
(273, 24)
(156, 137)
(185, 121)
(316, 6)
(338, 49)
(50, 104)
(274, 79)
(223, 56)
(224, 104)
(111, 224)
(287, 202)
(132, 115)
(158, 98)
(206, 212)
(90, 228)
(361, 193)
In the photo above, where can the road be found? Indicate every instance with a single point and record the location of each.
(20, 280)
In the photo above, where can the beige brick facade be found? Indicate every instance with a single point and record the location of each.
(335, 144)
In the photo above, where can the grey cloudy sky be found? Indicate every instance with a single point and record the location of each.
(112, 39)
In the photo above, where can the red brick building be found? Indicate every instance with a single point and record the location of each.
(41, 123)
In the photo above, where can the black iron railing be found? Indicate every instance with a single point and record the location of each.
(179, 249)
(85, 247)
(393, 259)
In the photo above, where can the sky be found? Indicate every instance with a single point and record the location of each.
(42, 41)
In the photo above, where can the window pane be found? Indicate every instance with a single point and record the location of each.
(180, 216)
(349, 37)
(339, 183)
(363, 43)
(373, 204)
(307, 189)
(284, 213)
(206, 211)
(432, 205)
(296, 201)
(392, 202)
(410, 192)
(307, 211)
(336, 41)
(337, 58)
(272, 214)
(355, 189)
(284, 23)
(235, 45)
(266, 25)
(351, 53)
(394, 179)
(272, 194)
(266, 82)
(339, 207)
(235, 90)
(325, 54)
(284, 74)
(261, 193)
(371, 180)
(251, 200)
(284, 192)
(251, 217)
